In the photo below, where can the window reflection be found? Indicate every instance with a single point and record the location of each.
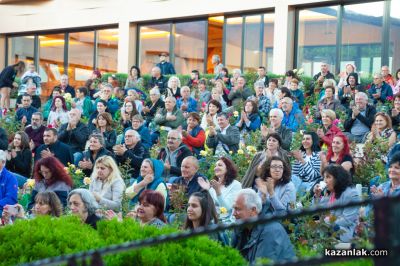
(20, 49)
(394, 39)
(107, 50)
(233, 42)
(80, 55)
(268, 47)
(215, 40)
(252, 43)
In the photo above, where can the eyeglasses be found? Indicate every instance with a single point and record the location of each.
(277, 167)
(172, 138)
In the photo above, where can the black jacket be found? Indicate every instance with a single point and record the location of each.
(153, 110)
(191, 187)
(22, 163)
(161, 83)
(60, 150)
(367, 120)
(75, 138)
(3, 139)
(89, 156)
(136, 155)
(182, 154)
(7, 77)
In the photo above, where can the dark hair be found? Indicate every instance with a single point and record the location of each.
(19, 66)
(286, 92)
(83, 90)
(27, 95)
(134, 109)
(274, 81)
(208, 211)
(56, 88)
(156, 199)
(262, 67)
(226, 71)
(53, 104)
(24, 141)
(397, 95)
(203, 81)
(290, 73)
(397, 73)
(315, 141)
(195, 71)
(216, 103)
(355, 76)
(220, 114)
(195, 116)
(253, 103)
(395, 159)
(137, 69)
(341, 176)
(50, 198)
(345, 151)
(264, 170)
(275, 136)
(56, 168)
(330, 87)
(231, 170)
(104, 103)
(53, 130)
(108, 118)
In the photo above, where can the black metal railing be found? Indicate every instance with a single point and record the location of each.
(386, 225)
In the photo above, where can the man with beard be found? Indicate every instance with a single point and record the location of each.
(35, 131)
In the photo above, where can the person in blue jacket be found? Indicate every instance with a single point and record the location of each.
(8, 184)
(380, 90)
(249, 120)
(293, 117)
(144, 132)
(166, 67)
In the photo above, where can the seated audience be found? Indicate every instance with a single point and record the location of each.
(82, 102)
(104, 125)
(329, 129)
(225, 139)
(151, 209)
(134, 79)
(158, 80)
(83, 204)
(328, 102)
(347, 94)
(101, 107)
(380, 90)
(297, 94)
(153, 106)
(174, 88)
(262, 101)
(339, 153)
(240, 92)
(25, 112)
(106, 96)
(275, 126)
(249, 120)
(35, 131)
(210, 116)
(170, 116)
(293, 117)
(19, 157)
(190, 176)
(395, 114)
(392, 186)
(193, 136)
(138, 124)
(128, 110)
(186, 103)
(47, 106)
(382, 130)
(58, 113)
(9, 184)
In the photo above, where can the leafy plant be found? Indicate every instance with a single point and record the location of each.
(78, 176)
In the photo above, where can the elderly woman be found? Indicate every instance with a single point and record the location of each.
(50, 175)
(339, 191)
(263, 102)
(82, 204)
(194, 136)
(306, 170)
(210, 116)
(150, 210)
(58, 113)
(328, 130)
(272, 148)
(339, 153)
(150, 178)
(170, 116)
(382, 130)
(328, 102)
(107, 185)
(174, 88)
(391, 187)
(104, 125)
(151, 108)
(96, 150)
(224, 186)
(274, 183)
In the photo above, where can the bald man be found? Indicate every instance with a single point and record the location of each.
(190, 175)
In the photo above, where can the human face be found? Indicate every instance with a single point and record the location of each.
(272, 144)
(194, 209)
(31, 89)
(162, 58)
(330, 182)
(46, 173)
(94, 144)
(155, 72)
(394, 171)
(191, 122)
(32, 68)
(352, 80)
(361, 102)
(49, 137)
(248, 108)
(272, 85)
(377, 80)
(77, 206)
(329, 93)
(286, 106)
(26, 101)
(220, 169)
(294, 86)
(56, 93)
(385, 71)
(74, 115)
(130, 138)
(154, 97)
(337, 145)
(259, 91)
(17, 140)
(261, 72)
(101, 121)
(241, 82)
(146, 211)
(145, 169)
(169, 104)
(134, 72)
(174, 83)
(64, 81)
(274, 119)
(380, 122)
(397, 103)
(324, 68)
(36, 121)
(276, 170)
(222, 122)
(128, 107)
(326, 120)
(173, 141)
(185, 93)
(349, 69)
(102, 171)
(212, 109)
(307, 142)
(240, 210)
(41, 208)
(107, 92)
(188, 168)
(136, 124)
(58, 103)
(101, 108)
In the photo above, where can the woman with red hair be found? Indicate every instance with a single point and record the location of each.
(58, 113)
(50, 175)
(151, 208)
(339, 153)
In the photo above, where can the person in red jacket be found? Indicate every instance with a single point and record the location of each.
(329, 129)
(194, 136)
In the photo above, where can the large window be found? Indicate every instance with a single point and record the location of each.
(154, 39)
(362, 37)
(268, 44)
(21, 49)
(233, 42)
(80, 55)
(214, 40)
(107, 50)
(252, 39)
(316, 39)
(394, 39)
(190, 38)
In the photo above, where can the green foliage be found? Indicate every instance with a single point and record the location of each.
(30, 240)
(10, 124)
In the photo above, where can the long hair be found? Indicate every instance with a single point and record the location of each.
(341, 176)
(53, 106)
(315, 141)
(208, 211)
(231, 170)
(109, 162)
(156, 199)
(137, 69)
(215, 103)
(24, 141)
(264, 171)
(106, 116)
(58, 173)
(344, 152)
(50, 198)
(134, 109)
(253, 103)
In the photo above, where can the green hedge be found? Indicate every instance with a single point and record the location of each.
(43, 237)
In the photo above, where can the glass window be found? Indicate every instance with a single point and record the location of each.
(394, 40)
(316, 38)
(154, 39)
(215, 38)
(268, 44)
(189, 46)
(20, 48)
(233, 42)
(362, 37)
(51, 61)
(107, 50)
(252, 35)
(80, 56)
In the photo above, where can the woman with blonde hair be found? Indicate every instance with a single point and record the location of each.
(329, 130)
(107, 185)
(382, 129)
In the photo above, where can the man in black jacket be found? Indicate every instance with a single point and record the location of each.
(158, 80)
(53, 147)
(320, 77)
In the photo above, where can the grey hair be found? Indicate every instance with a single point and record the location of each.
(171, 79)
(3, 156)
(64, 76)
(362, 94)
(155, 91)
(251, 199)
(156, 68)
(99, 136)
(278, 111)
(379, 75)
(259, 84)
(137, 135)
(171, 98)
(237, 70)
(329, 82)
(290, 100)
(216, 57)
(177, 132)
(108, 85)
(76, 110)
(87, 198)
(38, 114)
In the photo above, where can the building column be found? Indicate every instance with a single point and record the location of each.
(283, 37)
(2, 52)
(126, 46)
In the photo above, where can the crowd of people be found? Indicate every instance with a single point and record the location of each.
(197, 116)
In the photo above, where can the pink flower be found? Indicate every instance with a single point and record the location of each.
(310, 121)
(389, 98)
(336, 122)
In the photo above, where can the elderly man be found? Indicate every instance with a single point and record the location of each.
(360, 118)
(166, 67)
(65, 87)
(132, 151)
(8, 184)
(293, 117)
(74, 133)
(262, 241)
(35, 131)
(173, 154)
(380, 90)
(275, 119)
(24, 113)
(106, 95)
(152, 106)
(53, 147)
(190, 175)
(224, 139)
(144, 132)
(158, 80)
(387, 77)
(216, 61)
(186, 103)
(239, 93)
(320, 77)
(170, 116)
